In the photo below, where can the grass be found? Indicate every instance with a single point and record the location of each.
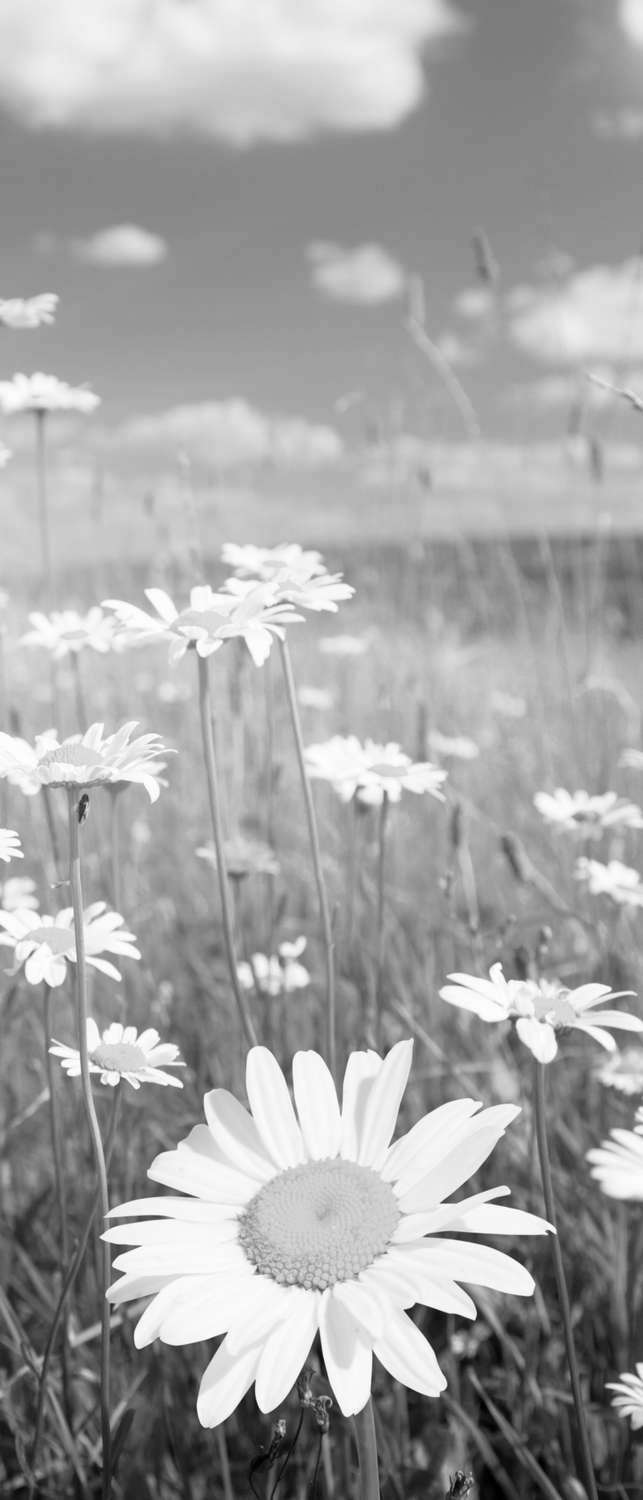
(448, 627)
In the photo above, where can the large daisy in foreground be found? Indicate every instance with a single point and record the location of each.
(311, 1223)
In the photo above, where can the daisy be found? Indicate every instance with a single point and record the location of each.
(45, 945)
(629, 1398)
(28, 312)
(452, 747)
(265, 562)
(5, 455)
(541, 1010)
(617, 1165)
(315, 1224)
(65, 632)
(243, 857)
(323, 591)
(279, 974)
(508, 705)
(371, 771)
(313, 697)
(18, 891)
(10, 845)
(343, 645)
(619, 881)
(632, 760)
(93, 759)
(43, 393)
(578, 812)
(209, 620)
(120, 1052)
(623, 1071)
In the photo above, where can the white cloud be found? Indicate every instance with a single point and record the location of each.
(227, 435)
(238, 70)
(631, 19)
(366, 274)
(121, 245)
(595, 314)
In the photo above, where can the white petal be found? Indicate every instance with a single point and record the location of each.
(263, 1306)
(207, 1314)
(445, 1217)
(408, 1356)
(619, 1020)
(491, 1219)
(272, 1109)
(131, 1288)
(347, 1356)
(286, 1348)
(317, 1106)
(172, 1232)
(430, 1131)
(433, 1290)
(195, 1167)
(480, 1265)
(380, 1115)
(362, 1069)
(225, 1381)
(182, 1259)
(364, 1305)
(190, 1209)
(236, 1134)
(461, 1161)
(598, 1035)
(539, 1037)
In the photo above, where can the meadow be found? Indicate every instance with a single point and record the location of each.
(515, 667)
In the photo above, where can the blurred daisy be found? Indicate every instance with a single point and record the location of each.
(578, 812)
(313, 697)
(316, 1224)
(91, 760)
(43, 393)
(617, 1165)
(45, 945)
(508, 705)
(28, 312)
(9, 845)
(632, 760)
(323, 591)
(279, 974)
(120, 1052)
(619, 881)
(17, 891)
(623, 1071)
(452, 746)
(541, 1010)
(5, 455)
(371, 771)
(343, 645)
(66, 632)
(265, 562)
(208, 621)
(629, 1398)
(243, 857)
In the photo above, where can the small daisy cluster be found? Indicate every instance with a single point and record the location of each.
(541, 1009)
(371, 772)
(279, 974)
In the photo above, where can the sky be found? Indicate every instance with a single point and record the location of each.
(241, 204)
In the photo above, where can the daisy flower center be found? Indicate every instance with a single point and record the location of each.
(119, 1057)
(386, 770)
(318, 1224)
(57, 939)
(73, 763)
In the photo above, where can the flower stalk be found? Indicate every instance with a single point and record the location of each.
(324, 909)
(367, 1452)
(587, 1467)
(74, 817)
(207, 736)
(43, 506)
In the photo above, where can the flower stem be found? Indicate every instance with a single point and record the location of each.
(324, 910)
(43, 509)
(367, 1452)
(561, 1284)
(205, 709)
(59, 1180)
(382, 828)
(92, 1121)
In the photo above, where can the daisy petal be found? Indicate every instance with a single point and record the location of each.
(539, 1037)
(362, 1069)
(431, 1130)
(236, 1134)
(225, 1381)
(380, 1115)
(272, 1109)
(480, 1265)
(408, 1356)
(317, 1106)
(286, 1348)
(347, 1356)
(460, 1162)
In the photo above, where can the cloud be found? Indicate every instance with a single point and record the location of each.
(594, 314)
(366, 274)
(226, 435)
(121, 245)
(242, 72)
(630, 14)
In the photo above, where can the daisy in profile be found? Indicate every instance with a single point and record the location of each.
(541, 1010)
(631, 760)
(66, 632)
(46, 945)
(264, 562)
(617, 1165)
(452, 746)
(120, 1053)
(623, 1071)
(619, 881)
(18, 891)
(577, 812)
(279, 974)
(316, 698)
(370, 771)
(44, 393)
(93, 759)
(208, 621)
(9, 845)
(28, 312)
(343, 645)
(320, 592)
(243, 857)
(312, 1222)
(629, 1397)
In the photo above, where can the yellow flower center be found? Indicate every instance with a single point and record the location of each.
(73, 765)
(318, 1224)
(119, 1057)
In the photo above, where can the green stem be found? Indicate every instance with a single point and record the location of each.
(205, 709)
(43, 509)
(561, 1284)
(92, 1121)
(59, 1181)
(324, 909)
(367, 1452)
(373, 1041)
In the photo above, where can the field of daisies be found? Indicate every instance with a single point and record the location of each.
(321, 1066)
